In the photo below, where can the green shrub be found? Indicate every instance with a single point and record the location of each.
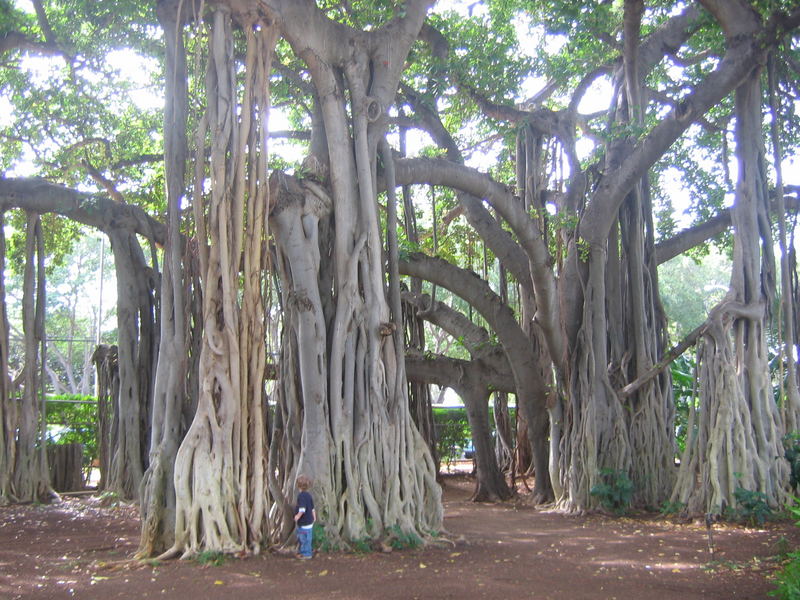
(109, 498)
(452, 433)
(788, 578)
(751, 507)
(400, 540)
(319, 539)
(794, 509)
(671, 508)
(362, 546)
(73, 419)
(682, 371)
(211, 558)
(615, 491)
(791, 450)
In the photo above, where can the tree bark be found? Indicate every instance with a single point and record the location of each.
(473, 381)
(30, 476)
(737, 443)
(372, 470)
(105, 360)
(532, 391)
(8, 405)
(180, 294)
(137, 342)
(221, 500)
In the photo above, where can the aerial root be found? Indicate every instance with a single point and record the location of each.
(125, 564)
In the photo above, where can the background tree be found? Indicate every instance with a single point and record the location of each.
(735, 394)
(70, 123)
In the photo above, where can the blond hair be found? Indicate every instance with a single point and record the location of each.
(303, 482)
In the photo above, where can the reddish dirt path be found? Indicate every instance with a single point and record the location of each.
(503, 551)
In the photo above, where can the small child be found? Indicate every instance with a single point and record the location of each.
(304, 516)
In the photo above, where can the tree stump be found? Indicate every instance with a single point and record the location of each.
(66, 466)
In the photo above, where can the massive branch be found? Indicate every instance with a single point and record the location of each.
(333, 43)
(743, 55)
(449, 372)
(532, 390)
(440, 171)
(474, 338)
(702, 232)
(40, 196)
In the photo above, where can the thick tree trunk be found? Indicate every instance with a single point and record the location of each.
(504, 436)
(532, 391)
(490, 484)
(136, 361)
(790, 390)
(637, 327)
(419, 394)
(105, 359)
(180, 293)
(737, 442)
(65, 464)
(8, 404)
(299, 223)
(30, 478)
(596, 435)
(220, 480)
(374, 476)
(471, 380)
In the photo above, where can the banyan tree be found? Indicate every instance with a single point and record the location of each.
(341, 413)
(582, 342)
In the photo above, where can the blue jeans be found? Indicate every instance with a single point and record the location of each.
(304, 541)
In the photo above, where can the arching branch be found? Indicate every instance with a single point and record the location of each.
(443, 172)
(474, 338)
(447, 372)
(696, 235)
(743, 55)
(41, 196)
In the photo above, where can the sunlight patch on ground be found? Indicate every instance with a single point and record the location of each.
(673, 567)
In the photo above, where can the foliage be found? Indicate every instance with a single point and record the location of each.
(88, 107)
(791, 445)
(615, 491)
(362, 546)
(319, 539)
(452, 432)
(794, 509)
(59, 236)
(400, 540)
(689, 289)
(211, 558)
(72, 306)
(682, 370)
(788, 578)
(671, 508)
(751, 507)
(109, 498)
(73, 419)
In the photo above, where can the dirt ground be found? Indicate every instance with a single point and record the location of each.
(76, 549)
